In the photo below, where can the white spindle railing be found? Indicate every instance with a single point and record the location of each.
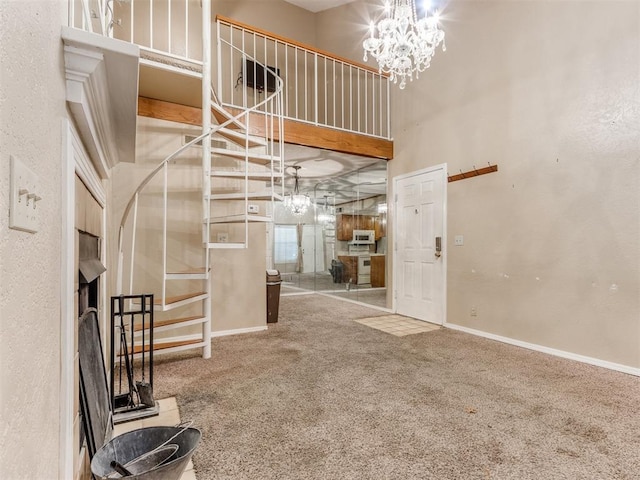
(164, 26)
(320, 88)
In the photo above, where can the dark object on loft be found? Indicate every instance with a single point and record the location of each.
(255, 76)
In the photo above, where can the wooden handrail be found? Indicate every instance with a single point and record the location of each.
(295, 43)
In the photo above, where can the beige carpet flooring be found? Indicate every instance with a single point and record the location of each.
(320, 396)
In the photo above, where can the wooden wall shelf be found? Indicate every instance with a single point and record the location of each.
(473, 173)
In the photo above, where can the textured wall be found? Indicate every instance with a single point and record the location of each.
(549, 92)
(32, 104)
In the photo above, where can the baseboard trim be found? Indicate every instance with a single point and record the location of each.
(355, 302)
(238, 331)
(219, 333)
(550, 351)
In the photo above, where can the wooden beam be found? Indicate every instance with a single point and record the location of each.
(149, 107)
(298, 133)
(326, 138)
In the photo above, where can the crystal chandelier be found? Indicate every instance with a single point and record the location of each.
(404, 44)
(294, 201)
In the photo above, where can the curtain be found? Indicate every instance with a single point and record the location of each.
(299, 262)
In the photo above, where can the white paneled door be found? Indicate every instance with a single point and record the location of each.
(312, 249)
(419, 265)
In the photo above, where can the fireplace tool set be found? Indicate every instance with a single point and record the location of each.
(132, 357)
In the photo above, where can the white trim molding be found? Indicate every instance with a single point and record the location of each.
(67, 280)
(238, 331)
(102, 94)
(85, 169)
(550, 351)
(219, 333)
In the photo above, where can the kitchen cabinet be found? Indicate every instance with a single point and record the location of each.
(347, 223)
(377, 270)
(365, 222)
(380, 226)
(345, 226)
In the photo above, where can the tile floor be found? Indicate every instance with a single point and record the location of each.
(398, 325)
(169, 416)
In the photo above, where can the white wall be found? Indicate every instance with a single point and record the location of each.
(549, 92)
(32, 106)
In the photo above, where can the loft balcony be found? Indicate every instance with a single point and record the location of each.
(329, 102)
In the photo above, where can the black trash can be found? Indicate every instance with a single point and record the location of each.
(273, 295)
(337, 269)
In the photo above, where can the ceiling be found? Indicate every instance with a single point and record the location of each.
(345, 177)
(318, 5)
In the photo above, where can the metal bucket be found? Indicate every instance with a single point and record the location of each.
(132, 445)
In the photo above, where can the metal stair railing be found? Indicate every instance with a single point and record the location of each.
(132, 205)
(322, 89)
(269, 111)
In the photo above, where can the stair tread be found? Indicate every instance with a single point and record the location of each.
(226, 245)
(241, 175)
(240, 139)
(188, 271)
(265, 195)
(163, 323)
(239, 218)
(221, 115)
(177, 298)
(165, 345)
(257, 158)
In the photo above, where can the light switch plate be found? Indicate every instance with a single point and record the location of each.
(253, 209)
(458, 240)
(24, 204)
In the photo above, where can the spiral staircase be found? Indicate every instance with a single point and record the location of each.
(241, 176)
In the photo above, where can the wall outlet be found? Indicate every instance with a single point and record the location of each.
(253, 209)
(474, 311)
(223, 237)
(458, 240)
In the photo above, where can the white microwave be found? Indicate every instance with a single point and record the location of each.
(364, 237)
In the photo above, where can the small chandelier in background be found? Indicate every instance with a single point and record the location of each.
(296, 203)
(404, 44)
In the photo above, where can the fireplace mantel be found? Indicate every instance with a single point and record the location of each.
(102, 94)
